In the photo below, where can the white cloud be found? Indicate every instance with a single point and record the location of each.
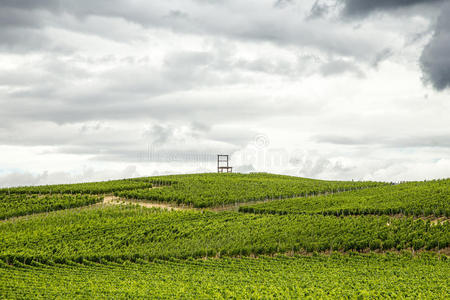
(164, 86)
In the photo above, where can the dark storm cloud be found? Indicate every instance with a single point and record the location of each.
(365, 7)
(435, 59)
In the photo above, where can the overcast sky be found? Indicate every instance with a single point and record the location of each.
(332, 89)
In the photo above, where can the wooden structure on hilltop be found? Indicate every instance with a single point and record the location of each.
(223, 164)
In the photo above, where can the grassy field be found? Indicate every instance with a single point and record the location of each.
(303, 238)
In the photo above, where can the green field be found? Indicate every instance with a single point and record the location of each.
(273, 237)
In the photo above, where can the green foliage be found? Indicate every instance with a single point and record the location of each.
(80, 188)
(412, 198)
(131, 232)
(319, 277)
(212, 189)
(15, 205)
(105, 251)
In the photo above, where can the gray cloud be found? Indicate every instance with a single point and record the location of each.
(435, 59)
(159, 134)
(244, 169)
(104, 81)
(31, 5)
(62, 90)
(313, 168)
(365, 7)
(337, 67)
(280, 26)
(282, 3)
(440, 141)
(23, 40)
(20, 18)
(246, 107)
(21, 28)
(381, 56)
(319, 9)
(164, 141)
(145, 156)
(46, 177)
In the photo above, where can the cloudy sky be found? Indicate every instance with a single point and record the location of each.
(332, 89)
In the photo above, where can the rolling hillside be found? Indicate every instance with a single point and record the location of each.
(274, 236)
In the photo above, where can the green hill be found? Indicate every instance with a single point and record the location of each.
(211, 189)
(274, 236)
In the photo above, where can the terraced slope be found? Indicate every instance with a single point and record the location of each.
(431, 198)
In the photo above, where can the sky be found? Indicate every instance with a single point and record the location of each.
(328, 89)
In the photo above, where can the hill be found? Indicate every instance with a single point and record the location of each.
(263, 229)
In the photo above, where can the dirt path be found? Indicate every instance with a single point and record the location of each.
(107, 200)
(113, 200)
(437, 220)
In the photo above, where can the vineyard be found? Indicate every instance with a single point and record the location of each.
(206, 190)
(415, 198)
(317, 277)
(131, 232)
(80, 188)
(231, 236)
(15, 205)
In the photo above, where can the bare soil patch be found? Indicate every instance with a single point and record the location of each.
(113, 200)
